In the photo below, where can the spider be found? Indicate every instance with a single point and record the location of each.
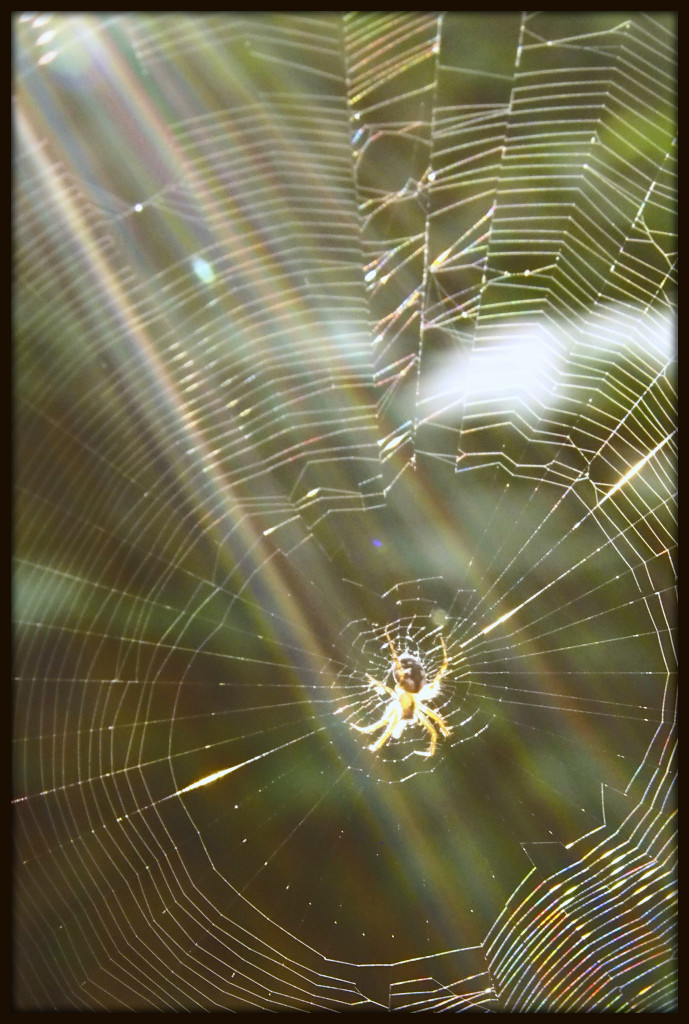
(408, 704)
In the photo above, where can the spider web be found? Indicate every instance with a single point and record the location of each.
(328, 326)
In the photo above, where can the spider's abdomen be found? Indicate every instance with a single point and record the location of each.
(414, 677)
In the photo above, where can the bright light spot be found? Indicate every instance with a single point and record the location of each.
(441, 259)
(634, 470)
(138, 207)
(527, 363)
(45, 37)
(47, 57)
(214, 776)
(393, 443)
(203, 270)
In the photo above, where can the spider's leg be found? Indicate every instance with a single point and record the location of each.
(394, 720)
(420, 717)
(433, 686)
(380, 686)
(376, 725)
(395, 655)
(438, 719)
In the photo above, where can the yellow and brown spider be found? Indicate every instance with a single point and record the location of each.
(408, 699)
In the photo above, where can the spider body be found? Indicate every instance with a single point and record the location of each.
(408, 699)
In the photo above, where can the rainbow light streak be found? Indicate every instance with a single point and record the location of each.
(170, 396)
